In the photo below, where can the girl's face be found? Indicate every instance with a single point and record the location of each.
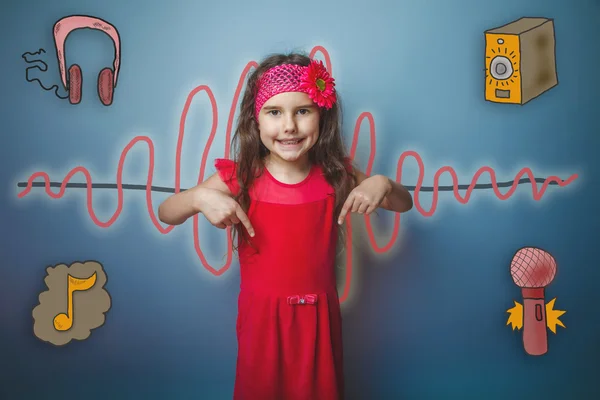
(289, 126)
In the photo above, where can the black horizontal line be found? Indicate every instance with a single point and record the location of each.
(165, 189)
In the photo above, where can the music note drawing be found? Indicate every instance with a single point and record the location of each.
(64, 321)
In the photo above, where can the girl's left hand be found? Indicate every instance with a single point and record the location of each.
(366, 197)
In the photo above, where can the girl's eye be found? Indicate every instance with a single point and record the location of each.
(302, 111)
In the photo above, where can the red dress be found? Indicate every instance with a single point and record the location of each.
(289, 324)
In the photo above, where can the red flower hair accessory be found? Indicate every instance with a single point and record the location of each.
(318, 84)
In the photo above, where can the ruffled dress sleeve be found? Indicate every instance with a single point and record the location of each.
(227, 172)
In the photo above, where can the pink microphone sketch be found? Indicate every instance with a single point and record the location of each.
(71, 77)
(533, 269)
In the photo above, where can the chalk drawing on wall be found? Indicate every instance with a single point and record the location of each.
(538, 185)
(74, 304)
(40, 65)
(533, 269)
(72, 79)
(520, 60)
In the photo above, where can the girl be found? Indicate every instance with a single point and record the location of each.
(286, 193)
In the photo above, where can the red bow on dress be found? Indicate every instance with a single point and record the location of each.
(306, 299)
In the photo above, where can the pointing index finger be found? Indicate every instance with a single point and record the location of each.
(345, 209)
(244, 220)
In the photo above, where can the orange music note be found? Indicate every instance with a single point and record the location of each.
(62, 321)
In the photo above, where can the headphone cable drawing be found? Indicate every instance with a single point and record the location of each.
(149, 188)
(43, 68)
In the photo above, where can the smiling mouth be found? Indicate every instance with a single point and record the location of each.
(290, 142)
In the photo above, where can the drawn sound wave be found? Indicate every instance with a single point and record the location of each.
(435, 189)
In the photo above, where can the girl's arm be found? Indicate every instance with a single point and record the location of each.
(397, 199)
(177, 208)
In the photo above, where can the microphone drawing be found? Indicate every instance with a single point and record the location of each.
(533, 269)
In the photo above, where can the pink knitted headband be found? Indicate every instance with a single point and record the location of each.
(313, 80)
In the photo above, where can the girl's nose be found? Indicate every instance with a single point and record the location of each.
(289, 125)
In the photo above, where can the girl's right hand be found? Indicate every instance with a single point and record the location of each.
(221, 210)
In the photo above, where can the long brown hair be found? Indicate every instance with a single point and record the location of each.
(328, 152)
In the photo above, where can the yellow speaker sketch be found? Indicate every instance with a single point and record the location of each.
(520, 60)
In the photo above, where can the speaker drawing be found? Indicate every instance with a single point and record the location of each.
(520, 60)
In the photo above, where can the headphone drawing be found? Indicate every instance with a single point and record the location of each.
(107, 78)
